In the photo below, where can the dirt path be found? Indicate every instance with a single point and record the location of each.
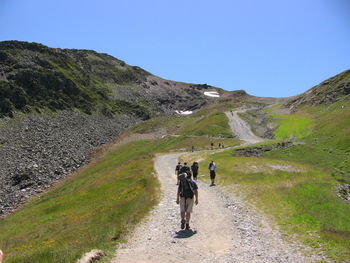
(224, 228)
(241, 128)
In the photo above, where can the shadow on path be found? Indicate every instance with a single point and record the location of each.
(185, 233)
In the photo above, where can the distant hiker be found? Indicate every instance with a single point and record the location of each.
(232, 113)
(195, 168)
(185, 192)
(177, 171)
(185, 169)
(212, 167)
(212, 145)
(192, 148)
(219, 145)
(222, 145)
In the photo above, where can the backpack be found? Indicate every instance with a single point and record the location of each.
(186, 189)
(185, 169)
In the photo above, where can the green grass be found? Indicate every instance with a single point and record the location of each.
(292, 126)
(329, 142)
(300, 197)
(215, 125)
(211, 125)
(87, 211)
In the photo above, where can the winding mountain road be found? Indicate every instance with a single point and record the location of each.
(224, 228)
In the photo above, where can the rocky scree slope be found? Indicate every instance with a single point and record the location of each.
(56, 105)
(39, 150)
(327, 92)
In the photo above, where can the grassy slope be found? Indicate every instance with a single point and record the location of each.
(300, 197)
(328, 147)
(74, 216)
(97, 207)
(203, 123)
(296, 125)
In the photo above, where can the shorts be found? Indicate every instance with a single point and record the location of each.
(212, 174)
(186, 205)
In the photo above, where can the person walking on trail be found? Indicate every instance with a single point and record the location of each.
(212, 168)
(195, 168)
(186, 192)
(177, 171)
(185, 169)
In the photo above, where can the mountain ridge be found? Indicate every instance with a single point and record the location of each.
(33, 76)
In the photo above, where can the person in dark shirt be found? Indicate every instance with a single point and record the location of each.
(195, 168)
(186, 192)
(177, 171)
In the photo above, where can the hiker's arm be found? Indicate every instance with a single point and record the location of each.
(196, 196)
(178, 196)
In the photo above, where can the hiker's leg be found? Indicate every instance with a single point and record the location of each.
(189, 209)
(188, 218)
(183, 215)
(183, 212)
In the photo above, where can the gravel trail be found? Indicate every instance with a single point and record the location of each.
(241, 128)
(224, 228)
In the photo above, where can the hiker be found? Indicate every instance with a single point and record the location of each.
(185, 192)
(219, 145)
(222, 145)
(212, 145)
(177, 171)
(212, 167)
(194, 168)
(192, 148)
(185, 169)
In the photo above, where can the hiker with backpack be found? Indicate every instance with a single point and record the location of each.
(177, 171)
(212, 168)
(195, 168)
(185, 169)
(186, 192)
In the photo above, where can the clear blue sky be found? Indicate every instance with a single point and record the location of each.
(268, 48)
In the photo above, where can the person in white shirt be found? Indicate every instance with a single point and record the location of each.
(212, 167)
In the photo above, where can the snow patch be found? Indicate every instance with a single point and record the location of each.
(184, 112)
(213, 94)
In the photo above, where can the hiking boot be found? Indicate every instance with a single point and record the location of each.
(183, 222)
(188, 226)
